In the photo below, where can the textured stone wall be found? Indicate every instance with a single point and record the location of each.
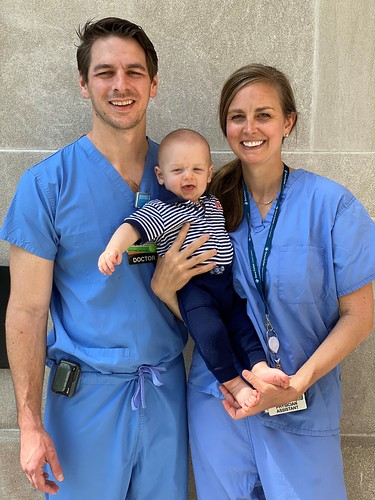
(325, 46)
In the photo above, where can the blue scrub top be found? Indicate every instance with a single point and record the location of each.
(66, 209)
(323, 248)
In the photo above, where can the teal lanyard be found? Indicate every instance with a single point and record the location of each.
(260, 277)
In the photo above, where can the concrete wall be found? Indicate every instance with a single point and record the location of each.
(325, 46)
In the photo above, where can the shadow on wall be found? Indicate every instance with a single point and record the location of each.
(4, 296)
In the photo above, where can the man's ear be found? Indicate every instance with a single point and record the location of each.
(159, 174)
(154, 87)
(83, 86)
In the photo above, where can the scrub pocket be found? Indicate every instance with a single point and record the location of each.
(89, 245)
(301, 274)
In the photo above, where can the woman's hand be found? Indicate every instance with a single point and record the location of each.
(269, 395)
(178, 266)
(355, 324)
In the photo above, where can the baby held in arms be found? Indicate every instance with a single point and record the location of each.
(212, 311)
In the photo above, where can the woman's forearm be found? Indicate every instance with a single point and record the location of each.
(353, 327)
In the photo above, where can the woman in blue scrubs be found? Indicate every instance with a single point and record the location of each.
(304, 260)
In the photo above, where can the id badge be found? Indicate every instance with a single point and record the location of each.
(298, 405)
(141, 199)
(142, 254)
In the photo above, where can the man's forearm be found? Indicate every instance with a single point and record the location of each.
(26, 346)
(26, 324)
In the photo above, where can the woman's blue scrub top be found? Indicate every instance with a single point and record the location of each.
(323, 248)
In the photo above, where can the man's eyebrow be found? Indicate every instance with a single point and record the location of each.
(110, 66)
(136, 66)
(101, 66)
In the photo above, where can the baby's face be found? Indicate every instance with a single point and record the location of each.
(185, 169)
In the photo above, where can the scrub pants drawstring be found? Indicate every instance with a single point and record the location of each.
(138, 399)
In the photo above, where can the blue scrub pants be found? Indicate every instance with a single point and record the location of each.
(238, 460)
(110, 451)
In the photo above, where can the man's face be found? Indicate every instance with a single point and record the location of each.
(118, 85)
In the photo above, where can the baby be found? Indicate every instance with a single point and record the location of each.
(214, 314)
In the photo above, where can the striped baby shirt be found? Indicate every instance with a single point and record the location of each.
(160, 220)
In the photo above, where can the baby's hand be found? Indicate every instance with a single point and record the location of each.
(108, 260)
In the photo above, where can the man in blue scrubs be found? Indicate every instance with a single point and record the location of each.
(122, 434)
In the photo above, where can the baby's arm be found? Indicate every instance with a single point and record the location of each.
(125, 236)
(245, 396)
(271, 375)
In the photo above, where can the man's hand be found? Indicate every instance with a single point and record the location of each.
(269, 395)
(37, 449)
(177, 267)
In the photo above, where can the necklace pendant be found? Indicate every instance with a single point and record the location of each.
(268, 202)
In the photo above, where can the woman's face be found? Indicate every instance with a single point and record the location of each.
(256, 125)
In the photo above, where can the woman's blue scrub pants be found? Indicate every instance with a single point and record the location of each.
(245, 460)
